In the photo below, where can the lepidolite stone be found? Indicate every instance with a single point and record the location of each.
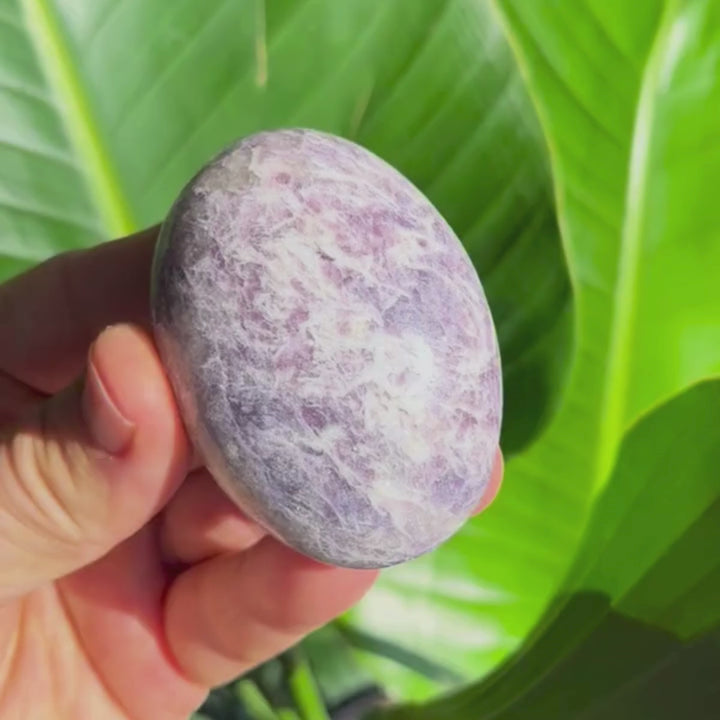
(330, 347)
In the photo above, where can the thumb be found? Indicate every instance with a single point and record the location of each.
(90, 466)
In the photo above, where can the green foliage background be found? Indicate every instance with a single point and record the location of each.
(575, 148)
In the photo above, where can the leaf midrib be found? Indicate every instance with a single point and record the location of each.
(53, 53)
(613, 419)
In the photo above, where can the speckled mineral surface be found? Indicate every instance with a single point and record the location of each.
(330, 347)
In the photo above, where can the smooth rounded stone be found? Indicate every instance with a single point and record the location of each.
(330, 347)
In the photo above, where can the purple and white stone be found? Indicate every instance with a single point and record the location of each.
(330, 346)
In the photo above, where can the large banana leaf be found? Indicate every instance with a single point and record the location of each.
(629, 100)
(108, 107)
(629, 97)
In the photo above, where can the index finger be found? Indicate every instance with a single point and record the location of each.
(50, 314)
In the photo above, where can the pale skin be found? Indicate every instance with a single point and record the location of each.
(129, 584)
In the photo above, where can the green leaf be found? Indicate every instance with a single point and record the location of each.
(138, 94)
(629, 96)
(254, 701)
(304, 688)
(44, 201)
(336, 669)
(632, 179)
(637, 634)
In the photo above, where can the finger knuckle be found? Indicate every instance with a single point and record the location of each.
(46, 479)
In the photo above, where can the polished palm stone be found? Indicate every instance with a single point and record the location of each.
(330, 347)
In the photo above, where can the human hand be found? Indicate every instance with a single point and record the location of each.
(129, 583)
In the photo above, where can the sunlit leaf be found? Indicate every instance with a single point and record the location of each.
(629, 96)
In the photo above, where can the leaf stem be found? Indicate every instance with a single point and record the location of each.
(254, 701)
(305, 691)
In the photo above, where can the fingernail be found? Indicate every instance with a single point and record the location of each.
(109, 428)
